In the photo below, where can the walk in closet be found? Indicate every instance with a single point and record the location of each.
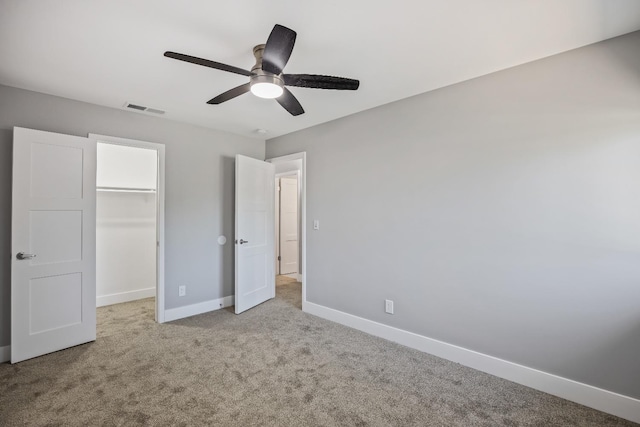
(126, 212)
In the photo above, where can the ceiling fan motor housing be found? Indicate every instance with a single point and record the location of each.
(261, 76)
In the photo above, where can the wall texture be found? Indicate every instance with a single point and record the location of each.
(125, 246)
(199, 188)
(501, 214)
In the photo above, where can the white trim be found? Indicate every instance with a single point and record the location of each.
(276, 204)
(303, 217)
(584, 394)
(5, 353)
(160, 291)
(283, 174)
(198, 308)
(102, 300)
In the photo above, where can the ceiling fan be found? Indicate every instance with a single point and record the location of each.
(266, 79)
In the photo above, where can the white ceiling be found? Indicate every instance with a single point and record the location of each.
(109, 52)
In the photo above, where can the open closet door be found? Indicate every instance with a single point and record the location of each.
(53, 231)
(255, 233)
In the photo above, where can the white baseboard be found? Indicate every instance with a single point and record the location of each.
(584, 394)
(103, 300)
(5, 353)
(199, 308)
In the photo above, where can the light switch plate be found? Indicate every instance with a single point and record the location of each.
(388, 306)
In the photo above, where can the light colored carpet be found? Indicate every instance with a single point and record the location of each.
(271, 366)
(284, 280)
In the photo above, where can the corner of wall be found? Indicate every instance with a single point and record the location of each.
(5, 353)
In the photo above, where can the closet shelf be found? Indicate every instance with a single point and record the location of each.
(126, 190)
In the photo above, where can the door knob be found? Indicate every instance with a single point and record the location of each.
(22, 255)
(243, 241)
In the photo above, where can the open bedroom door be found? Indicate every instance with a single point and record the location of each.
(53, 243)
(254, 233)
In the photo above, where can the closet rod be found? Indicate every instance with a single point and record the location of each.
(127, 190)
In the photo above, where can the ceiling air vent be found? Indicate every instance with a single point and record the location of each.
(143, 108)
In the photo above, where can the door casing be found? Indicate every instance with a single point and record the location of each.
(302, 183)
(160, 149)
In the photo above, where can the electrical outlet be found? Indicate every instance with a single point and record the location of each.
(182, 291)
(388, 306)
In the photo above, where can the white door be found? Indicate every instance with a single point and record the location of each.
(277, 225)
(255, 234)
(288, 225)
(53, 230)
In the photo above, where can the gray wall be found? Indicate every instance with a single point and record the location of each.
(199, 188)
(501, 214)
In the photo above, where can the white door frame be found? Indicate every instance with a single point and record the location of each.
(302, 188)
(159, 148)
(276, 204)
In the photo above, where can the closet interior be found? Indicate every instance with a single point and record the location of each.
(126, 223)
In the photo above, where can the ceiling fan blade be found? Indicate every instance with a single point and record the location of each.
(315, 81)
(278, 49)
(230, 94)
(207, 63)
(290, 103)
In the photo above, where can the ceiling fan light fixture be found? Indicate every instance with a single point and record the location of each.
(266, 85)
(266, 90)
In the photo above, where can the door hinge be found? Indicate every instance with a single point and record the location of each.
(279, 259)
